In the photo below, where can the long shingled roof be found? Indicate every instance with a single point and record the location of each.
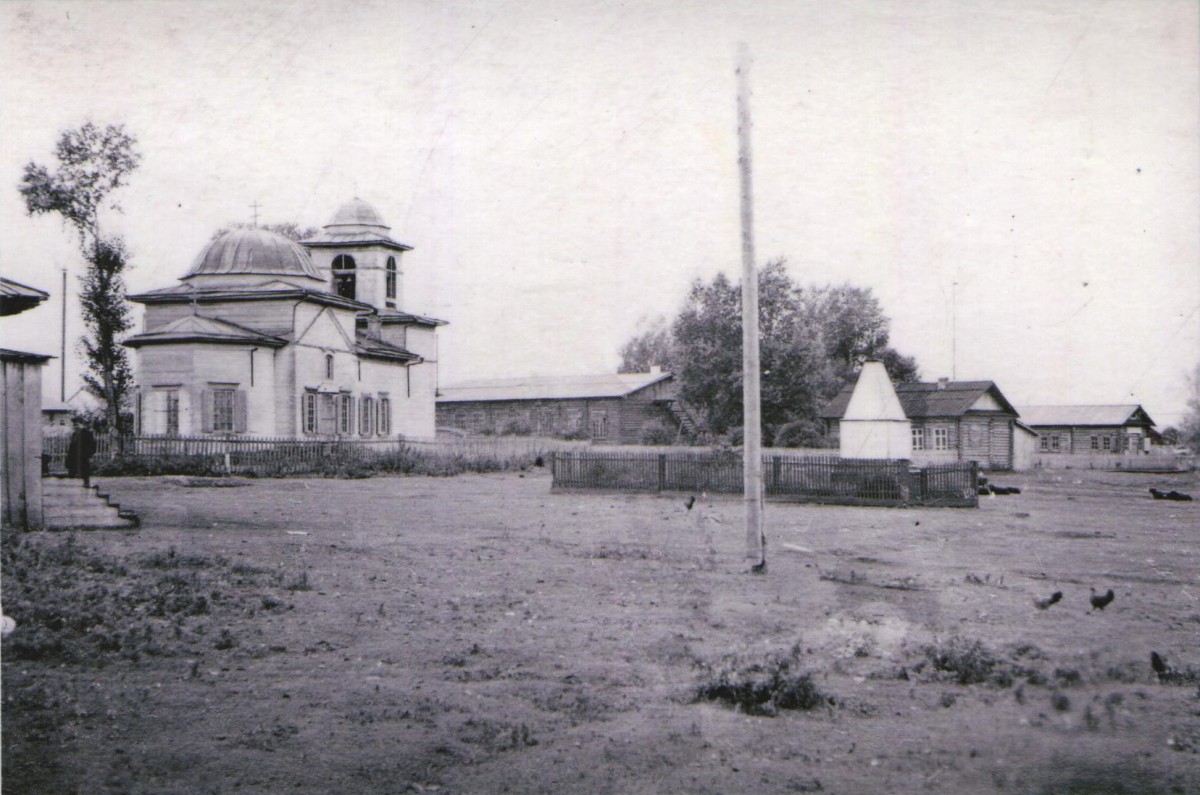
(921, 400)
(551, 387)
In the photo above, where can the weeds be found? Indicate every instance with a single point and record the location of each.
(760, 687)
(75, 606)
(969, 660)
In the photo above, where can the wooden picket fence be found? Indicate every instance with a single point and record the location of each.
(287, 455)
(826, 479)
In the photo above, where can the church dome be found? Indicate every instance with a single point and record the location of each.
(253, 251)
(357, 212)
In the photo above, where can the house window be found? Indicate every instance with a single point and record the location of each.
(343, 276)
(941, 439)
(171, 409)
(329, 366)
(391, 278)
(1054, 444)
(1107, 442)
(308, 412)
(1095, 442)
(366, 415)
(600, 427)
(918, 438)
(345, 415)
(385, 416)
(223, 403)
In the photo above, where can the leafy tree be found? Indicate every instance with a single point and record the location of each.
(1189, 431)
(1171, 436)
(106, 317)
(289, 229)
(812, 341)
(92, 163)
(654, 346)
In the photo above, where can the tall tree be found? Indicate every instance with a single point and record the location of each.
(812, 341)
(92, 163)
(648, 348)
(1189, 429)
(289, 229)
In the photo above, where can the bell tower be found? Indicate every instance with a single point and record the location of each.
(358, 258)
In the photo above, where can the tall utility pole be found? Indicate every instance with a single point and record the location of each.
(752, 472)
(62, 360)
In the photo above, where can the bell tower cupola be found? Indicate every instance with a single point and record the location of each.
(358, 258)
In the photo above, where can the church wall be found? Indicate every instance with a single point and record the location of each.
(160, 368)
(230, 365)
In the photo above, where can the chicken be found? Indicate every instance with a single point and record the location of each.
(1101, 601)
(1054, 599)
(690, 502)
(1158, 664)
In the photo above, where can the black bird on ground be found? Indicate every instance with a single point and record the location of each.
(1101, 601)
(1158, 664)
(1177, 496)
(1054, 599)
(690, 502)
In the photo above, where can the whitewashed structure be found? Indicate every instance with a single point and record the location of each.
(874, 425)
(264, 336)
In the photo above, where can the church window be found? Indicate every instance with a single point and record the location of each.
(345, 415)
(309, 412)
(366, 416)
(329, 366)
(343, 275)
(171, 407)
(385, 416)
(391, 279)
(223, 401)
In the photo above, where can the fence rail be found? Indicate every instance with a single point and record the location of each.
(1115, 462)
(287, 455)
(787, 477)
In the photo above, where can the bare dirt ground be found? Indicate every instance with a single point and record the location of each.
(481, 634)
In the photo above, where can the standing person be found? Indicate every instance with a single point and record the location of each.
(80, 451)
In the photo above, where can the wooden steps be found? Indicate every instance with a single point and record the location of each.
(68, 505)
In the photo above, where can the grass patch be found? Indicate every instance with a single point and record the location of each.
(760, 686)
(75, 606)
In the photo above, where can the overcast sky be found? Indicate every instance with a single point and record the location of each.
(564, 170)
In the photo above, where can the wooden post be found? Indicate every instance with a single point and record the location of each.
(752, 469)
(662, 471)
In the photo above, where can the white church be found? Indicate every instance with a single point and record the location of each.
(267, 337)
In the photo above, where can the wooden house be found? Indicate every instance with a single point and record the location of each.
(1105, 429)
(610, 408)
(20, 418)
(950, 421)
(264, 336)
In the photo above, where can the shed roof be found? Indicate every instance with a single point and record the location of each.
(923, 400)
(1110, 415)
(16, 297)
(551, 387)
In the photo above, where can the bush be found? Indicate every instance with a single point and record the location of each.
(516, 428)
(801, 433)
(969, 660)
(657, 433)
(760, 687)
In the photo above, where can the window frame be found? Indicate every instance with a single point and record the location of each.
(941, 438)
(390, 279)
(308, 413)
(219, 395)
(918, 437)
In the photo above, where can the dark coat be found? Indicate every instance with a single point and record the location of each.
(79, 453)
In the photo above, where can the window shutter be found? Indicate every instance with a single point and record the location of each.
(206, 410)
(239, 411)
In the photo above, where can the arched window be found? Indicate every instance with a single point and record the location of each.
(343, 275)
(391, 278)
(329, 366)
